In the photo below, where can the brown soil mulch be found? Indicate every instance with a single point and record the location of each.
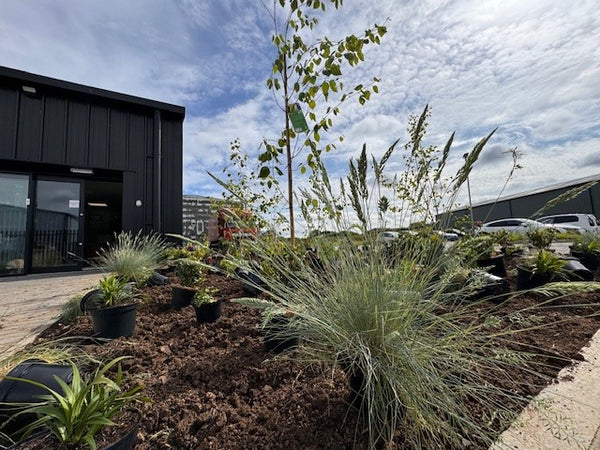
(212, 387)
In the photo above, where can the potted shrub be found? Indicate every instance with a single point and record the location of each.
(73, 416)
(189, 274)
(207, 306)
(112, 307)
(541, 238)
(481, 251)
(586, 248)
(543, 268)
(475, 283)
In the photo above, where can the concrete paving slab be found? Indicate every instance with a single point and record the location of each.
(565, 415)
(31, 303)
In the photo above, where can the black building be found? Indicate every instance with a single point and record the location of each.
(79, 163)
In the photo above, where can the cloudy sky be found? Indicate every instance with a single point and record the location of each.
(531, 68)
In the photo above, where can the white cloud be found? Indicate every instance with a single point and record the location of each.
(528, 68)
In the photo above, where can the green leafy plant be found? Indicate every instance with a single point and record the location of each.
(472, 248)
(541, 238)
(190, 251)
(133, 257)
(85, 405)
(115, 291)
(205, 295)
(548, 264)
(588, 243)
(308, 76)
(189, 271)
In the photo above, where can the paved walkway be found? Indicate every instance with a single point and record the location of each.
(30, 303)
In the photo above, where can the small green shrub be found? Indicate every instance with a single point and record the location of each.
(541, 238)
(549, 264)
(471, 248)
(205, 295)
(189, 271)
(587, 243)
(114, 291)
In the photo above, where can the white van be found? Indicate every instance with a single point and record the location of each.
(587, 222)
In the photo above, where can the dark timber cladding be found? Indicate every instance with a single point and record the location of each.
(62, 124)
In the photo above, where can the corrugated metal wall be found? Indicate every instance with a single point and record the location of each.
(67, 127)
(588, 202)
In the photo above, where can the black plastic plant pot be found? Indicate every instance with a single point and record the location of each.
(208, 312)
(278, 336)
(181, 297)
(14, 393)
(578, 271)
(127, 441)
(589, 260)
(496, 289)
(494, 265)
(253, 284)
(157, 279)
(356, 382)
(91, 300)
(114, 321)
(527, 279)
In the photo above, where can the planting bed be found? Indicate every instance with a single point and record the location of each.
(211, 387)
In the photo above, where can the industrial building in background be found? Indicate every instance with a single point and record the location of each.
(528, 203)
(78, 164)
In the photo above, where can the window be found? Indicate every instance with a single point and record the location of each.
(565, 219)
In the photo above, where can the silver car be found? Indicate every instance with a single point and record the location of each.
(513, 225)
(586, 222)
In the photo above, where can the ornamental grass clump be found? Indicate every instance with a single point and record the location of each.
(426, 366)
(416, 354)
(133, 257)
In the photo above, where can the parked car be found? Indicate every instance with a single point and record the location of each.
(388, 236)
(450, 235)
(586, 222)
(513, 225)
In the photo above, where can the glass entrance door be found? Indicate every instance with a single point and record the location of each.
(14, 191)
(56, 230)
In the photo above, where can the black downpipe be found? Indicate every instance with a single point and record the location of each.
(157, 172)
